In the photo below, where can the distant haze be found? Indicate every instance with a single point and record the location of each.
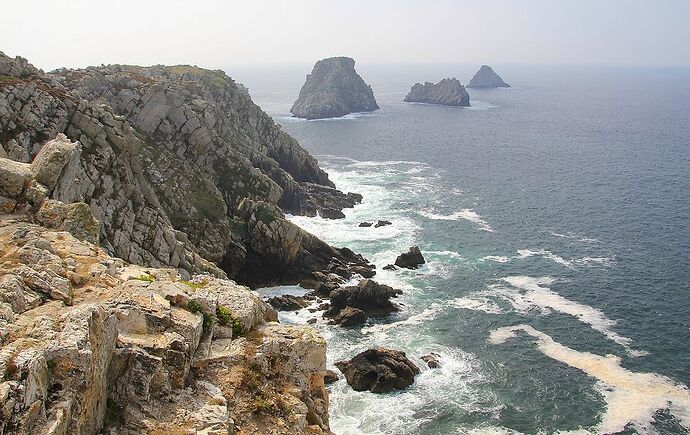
(218, 33)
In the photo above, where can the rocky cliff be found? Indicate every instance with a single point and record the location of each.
(173, 162)
(447, 92)
(333, 89)
(487, 78)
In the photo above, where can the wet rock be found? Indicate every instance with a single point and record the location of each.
(487, 78)
(382, 224)
(447, 92)
(287, 303)
(365, 224)
(333, 89)
(411, 259)
(390, 267)
(367, 299)
(432, 360)
(312, 320)
(330, 377)
(379, 370)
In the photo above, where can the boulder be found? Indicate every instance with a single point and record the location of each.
(50, 162)
(447, 92)
(382, 224)
(379, 370)
(487, 78)
(287, 303)
(365, 224)
(431, 360)
(14, 177)
(333, 89)
(330, 377)
(410, 259)
(368, 296)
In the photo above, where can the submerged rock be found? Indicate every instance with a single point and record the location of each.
(447, 92)
(487, 78)
(382, 224)
(431, 360)
(354, 304)
(379, 370)
(411, 259)
(365, 224)
(333, 89)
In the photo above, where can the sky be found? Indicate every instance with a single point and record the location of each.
(216, 33)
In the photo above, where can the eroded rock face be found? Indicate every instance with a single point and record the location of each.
(141, 350)
(379, 370)
(447, 92)
(163, 156)
(333, 89)
(411, 259)
(353, 305)
(485, 77)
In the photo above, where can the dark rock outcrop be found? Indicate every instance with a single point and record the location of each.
(382, 224)
(165, 157)
(487, 78)
(411, 259)
(369, 297)
(288, 302)
(333, 89)
(330, 377)
(365, 224)
(431, 360)
(379, 370)
(447, 92)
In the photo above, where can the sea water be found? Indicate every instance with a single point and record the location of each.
(554, 219)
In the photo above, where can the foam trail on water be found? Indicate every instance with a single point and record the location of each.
(585, 261)
(631, 397)
(495, 258)
(467, 214)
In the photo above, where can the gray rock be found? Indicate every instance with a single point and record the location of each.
(379, 370)
(487, 78)
(14, 177)
(411, 259)
(447, 92)
(333, 89)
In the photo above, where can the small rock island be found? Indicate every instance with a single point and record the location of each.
(333, 89)
(447, 92)
(487, 78)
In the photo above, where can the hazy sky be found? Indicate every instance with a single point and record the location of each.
(210, 33)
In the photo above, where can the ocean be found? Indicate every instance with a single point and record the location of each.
(555, 220)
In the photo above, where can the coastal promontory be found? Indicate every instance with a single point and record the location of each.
(333, 89)
(447, 92)
(487, 78)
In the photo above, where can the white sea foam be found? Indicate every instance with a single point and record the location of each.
(495, 258)
(467, 214)
(477, 303)
(631, 397)
(570, 235)
(585, 261)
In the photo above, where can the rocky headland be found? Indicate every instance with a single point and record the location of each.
(135, 202)
(333, 89)
(447, 92)
(485, 77)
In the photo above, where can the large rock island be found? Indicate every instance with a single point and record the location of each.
(487, 78)
(447, 92)
(333, 89)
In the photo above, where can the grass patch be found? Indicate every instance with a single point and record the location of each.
(226, 317)
(145, 277)
(195, 285)
(193, 307)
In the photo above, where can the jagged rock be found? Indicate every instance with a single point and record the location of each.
(379, 370)
(287, 303)
(485, 77)
(390, 267)
(411, 259)
(367, 299)
(167, 155)
(447, 92)
(132, 346)
(350, 316)
(330, 377)
(382, 224)
(431, 360)
(333, 89)
(365, 224)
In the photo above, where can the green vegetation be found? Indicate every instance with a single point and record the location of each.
(195, 285)
(193, 307)
(208, 321)
(226, 317)
(145, 277)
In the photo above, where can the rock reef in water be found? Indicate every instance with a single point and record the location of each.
(333, 89)
(354, 304)
(379, 370)
(411, 259)
(487, 78)
(447, 92)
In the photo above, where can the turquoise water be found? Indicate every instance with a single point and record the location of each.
(554, 220)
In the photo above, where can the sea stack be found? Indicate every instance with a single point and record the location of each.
(487, 78)
(333, 89)
(447, 92)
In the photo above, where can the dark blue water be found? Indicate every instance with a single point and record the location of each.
(555, 220)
